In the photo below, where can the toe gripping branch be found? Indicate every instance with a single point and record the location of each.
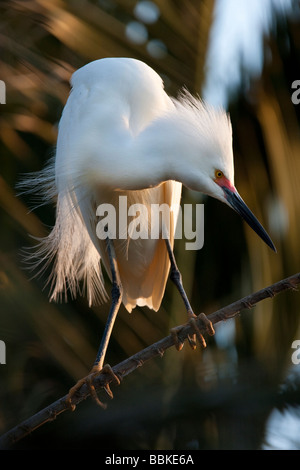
(116, 379)
(88, 381)
(197, 335)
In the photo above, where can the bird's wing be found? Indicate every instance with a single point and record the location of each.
(91, 118)
(144, 263)
(155, 278)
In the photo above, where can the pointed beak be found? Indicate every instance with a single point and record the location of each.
(236, 202)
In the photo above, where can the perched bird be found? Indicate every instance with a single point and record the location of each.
(121, 134)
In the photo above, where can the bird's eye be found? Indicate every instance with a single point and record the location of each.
(219, 174)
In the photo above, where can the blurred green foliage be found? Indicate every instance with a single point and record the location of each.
(219, 398)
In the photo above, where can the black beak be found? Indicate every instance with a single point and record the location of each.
(237, 203)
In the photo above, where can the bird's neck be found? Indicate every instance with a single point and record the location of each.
(159, 153)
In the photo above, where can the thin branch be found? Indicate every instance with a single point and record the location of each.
(137, 360)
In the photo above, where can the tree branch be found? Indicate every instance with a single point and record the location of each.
(157, 349)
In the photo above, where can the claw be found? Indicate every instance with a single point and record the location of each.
(108, 370)
(207, 323)
(197, 335)
(92, 390)
(192, 341)
(73, 391)
(174, 333)
(88, 381)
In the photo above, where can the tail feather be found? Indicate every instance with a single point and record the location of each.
(68, 248)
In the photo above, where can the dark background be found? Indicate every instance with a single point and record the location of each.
(219, 398)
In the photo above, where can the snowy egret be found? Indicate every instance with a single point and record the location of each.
(120, 133)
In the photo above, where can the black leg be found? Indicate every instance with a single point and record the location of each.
(98, 366)
(116, 294)
(176, 277)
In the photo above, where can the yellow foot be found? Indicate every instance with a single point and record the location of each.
(207, 325)
(174, 333)
(88, 381)
(197, 335)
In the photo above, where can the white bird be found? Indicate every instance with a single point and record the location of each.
(121, 134)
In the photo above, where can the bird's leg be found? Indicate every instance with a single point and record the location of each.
(98, 366)
(116, 294)
(176, 277)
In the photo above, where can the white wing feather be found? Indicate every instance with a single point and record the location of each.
(138, 96)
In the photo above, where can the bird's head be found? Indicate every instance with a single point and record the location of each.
(231, 197)
(210, 137)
